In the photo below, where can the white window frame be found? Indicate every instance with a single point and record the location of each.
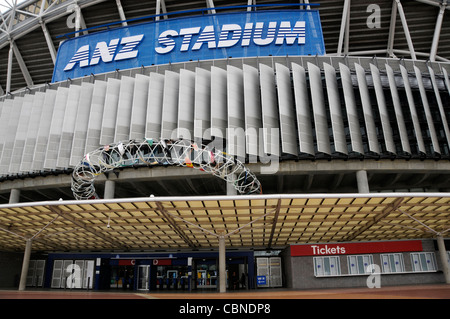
(327, 266)
(357, 264)
(392, 263)
(423, 262)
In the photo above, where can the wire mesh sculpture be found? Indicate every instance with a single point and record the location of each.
(149, 152)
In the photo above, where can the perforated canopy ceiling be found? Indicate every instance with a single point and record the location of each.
(258, 221)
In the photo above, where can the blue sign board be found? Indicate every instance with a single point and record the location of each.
(205, 37)
(261, 280)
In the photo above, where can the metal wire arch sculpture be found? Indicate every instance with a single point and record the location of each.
(148, 152)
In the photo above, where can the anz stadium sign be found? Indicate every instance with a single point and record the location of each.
(206, 37)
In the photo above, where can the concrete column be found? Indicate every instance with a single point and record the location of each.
(362, 181)
(222, 265)
(443, 256)
(25, 265)
(14, 196)
(110, 187)
(230, 187)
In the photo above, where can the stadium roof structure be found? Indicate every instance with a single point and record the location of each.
(30, 32)
(250, 221)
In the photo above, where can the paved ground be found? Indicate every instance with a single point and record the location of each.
(440, 291)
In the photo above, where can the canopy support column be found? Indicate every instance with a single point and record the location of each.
(222, 265)
(25, 265)
(443, 256)
(363, 182)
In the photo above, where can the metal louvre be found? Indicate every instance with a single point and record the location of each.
(123, 119)
(320, 115)
(367, 110)
(337, 124)
(170, 104)
(186, 105)
(139, 108)
(286, 110)
(382, 109)
(236, 112)
(252, 104)
(398, 110)
(350, 106)
(96, 116)
(248, 221)
(110, 111)
(154, 105)
(81, 124)
(269, 109)
(426, 108)
(316, 110)
(305, 133)
(412, 110)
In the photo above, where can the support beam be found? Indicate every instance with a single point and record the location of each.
(437, 33)
(406, 30)
(274, 223)
(48, 39)
(344, 21)
(22, 65)
(110, 187)
(386, 211)
(222, 264)
(444, 258)
(25, 265)
(14, 196)
(9, 68)
(121, 13)
(362, 181)
(390, 46)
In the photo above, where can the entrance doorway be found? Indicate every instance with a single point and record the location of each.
(143, 279)
(122, 277)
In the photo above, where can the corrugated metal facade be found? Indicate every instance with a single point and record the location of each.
(301, 108)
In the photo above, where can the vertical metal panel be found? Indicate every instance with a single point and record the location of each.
(305, 133)
(21, 134)
(81, 124)
(440, 105)
(334, 102)
(252, 105)
(236, 112)
(202, 104)
(170, 105)
(33, 129)
(371, 130)
(219, 100)
(398, 110)
(186, 103)
(4, 120)
(384, 116)
(66, 101)
(286, 110)
(45, 123)
(107, 133)
(269, 110)
(139, 108)
(96, 116)
(350, 107)
(319, 112)
(154, 105)
(10, 135)
(426, 107)
(68, 127)
(123, 120)
(412, 110)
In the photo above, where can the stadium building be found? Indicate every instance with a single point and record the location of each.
(186, 145)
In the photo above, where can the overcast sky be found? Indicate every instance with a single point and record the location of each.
(5, 5)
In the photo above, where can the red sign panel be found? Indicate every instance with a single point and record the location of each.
(162, 262)
(127, 262)
(356, 248)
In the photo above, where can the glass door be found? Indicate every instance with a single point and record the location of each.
(143, 277)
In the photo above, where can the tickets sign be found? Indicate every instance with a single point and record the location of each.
(356, 248)
(206, 37)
